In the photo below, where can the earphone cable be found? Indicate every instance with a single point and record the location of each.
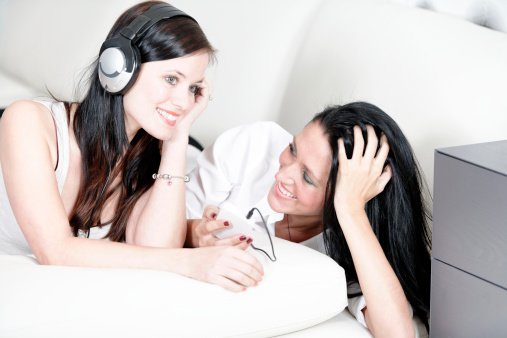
(250, 213)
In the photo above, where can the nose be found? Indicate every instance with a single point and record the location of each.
(288, 169)
(284, 175)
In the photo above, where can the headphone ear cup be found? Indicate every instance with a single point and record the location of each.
(119, 57)
(136, 60)
(118, 65)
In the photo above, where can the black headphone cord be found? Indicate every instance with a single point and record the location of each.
(248, 216)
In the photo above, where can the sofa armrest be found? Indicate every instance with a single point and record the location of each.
(302, 288)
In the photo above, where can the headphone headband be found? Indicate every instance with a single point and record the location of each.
(119, 57)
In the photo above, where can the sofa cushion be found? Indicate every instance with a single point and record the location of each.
(302, 288)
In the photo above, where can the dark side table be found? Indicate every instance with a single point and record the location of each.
(469, 255)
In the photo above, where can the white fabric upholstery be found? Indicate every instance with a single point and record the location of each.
(13, 90)
(302, 288)
(488, 13)
(444, 80)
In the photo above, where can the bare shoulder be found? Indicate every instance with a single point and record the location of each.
(26, 118)
(25, 111)
(27, 127)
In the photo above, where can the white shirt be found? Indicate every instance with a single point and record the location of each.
(239, 168)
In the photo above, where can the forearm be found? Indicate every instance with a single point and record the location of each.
(162, 221)
(388, 313)
(81, 252)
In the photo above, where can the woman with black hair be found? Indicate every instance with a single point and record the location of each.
(112, 166)
(347, 185)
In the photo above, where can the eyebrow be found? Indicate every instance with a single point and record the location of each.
(304, 165)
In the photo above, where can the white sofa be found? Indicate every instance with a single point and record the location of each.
(442, 78)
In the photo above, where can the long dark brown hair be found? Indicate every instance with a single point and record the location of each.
(100, 131)
(399, 216)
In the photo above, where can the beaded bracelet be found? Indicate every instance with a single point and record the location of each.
(169, 177)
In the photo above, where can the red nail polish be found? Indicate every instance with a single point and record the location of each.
(249, 241)
(244, 289)
(226, 223)
(214, 216)
(242, 238)
(256, 284)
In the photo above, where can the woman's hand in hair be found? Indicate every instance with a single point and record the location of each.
(208, 224)
(358, 180)
(363, 176)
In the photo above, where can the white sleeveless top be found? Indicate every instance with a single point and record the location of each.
(12, 241)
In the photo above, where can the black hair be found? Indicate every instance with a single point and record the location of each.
(399, 216)
(100, 131)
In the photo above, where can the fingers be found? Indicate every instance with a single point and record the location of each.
(245, 243)
(210, 224)
(370, 152)
(227, 284)
(240, 241)
(201, 102)
(385, 177)
(235, 270)
(210, 212)
(383, 150)
(342, 155)
(358, 143)
(205, 231)
(363, 176)
(204, 94)
(371, 146)
(248, 265)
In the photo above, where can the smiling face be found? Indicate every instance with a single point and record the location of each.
(163, 94)
(304, 168)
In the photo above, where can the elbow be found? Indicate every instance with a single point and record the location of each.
(46, 257)
(53, 254)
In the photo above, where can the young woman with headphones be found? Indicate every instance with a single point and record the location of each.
(112, 166)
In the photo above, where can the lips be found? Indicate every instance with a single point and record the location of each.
(169, 116)
(283, 192)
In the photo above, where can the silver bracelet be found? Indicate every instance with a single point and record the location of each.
(169, 177)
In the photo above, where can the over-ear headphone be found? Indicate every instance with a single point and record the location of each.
(119, 57)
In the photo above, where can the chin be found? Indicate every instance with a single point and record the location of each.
(162, 135)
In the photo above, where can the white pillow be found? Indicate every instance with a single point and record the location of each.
(302, 288)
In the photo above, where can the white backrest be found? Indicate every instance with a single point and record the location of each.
(50, 43)
(257, 44)
(443, 79)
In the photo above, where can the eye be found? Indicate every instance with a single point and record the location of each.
(291, 149)
(194, 89)
(307, 178)
(171, 79)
